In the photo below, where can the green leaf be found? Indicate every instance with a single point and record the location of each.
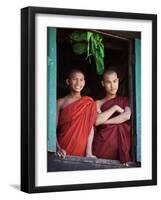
(101, 48)
(89, 34)
(99, 63)
(93, 46)
(79, 48)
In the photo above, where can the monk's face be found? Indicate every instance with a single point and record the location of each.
(111, 83)
(76, 82)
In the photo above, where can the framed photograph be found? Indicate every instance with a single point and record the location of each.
(88, 99)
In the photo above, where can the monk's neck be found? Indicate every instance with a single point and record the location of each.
(74, 95)
(108, 97)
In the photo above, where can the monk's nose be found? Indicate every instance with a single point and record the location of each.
(78, 81)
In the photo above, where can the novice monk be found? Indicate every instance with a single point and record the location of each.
(112, 140)
(76, 116)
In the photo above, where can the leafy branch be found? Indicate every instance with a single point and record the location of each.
(91, 44)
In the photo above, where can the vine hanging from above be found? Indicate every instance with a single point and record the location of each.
(90, 43)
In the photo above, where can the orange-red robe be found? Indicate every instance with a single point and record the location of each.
(74, 125)
(113, 141)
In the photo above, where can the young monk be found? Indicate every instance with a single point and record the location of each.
(76, 116)
(112, 140)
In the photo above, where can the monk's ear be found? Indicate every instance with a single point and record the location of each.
(67, 81)
(102, 83)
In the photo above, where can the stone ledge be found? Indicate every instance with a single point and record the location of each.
(70, 163)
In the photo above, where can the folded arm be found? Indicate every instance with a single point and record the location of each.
(122, 117)
(102, 117)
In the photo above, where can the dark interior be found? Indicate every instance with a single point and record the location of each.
(116, 54)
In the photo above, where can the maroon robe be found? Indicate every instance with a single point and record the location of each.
(113, 141)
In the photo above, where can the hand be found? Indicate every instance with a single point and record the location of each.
(119, 109)
(61, 153)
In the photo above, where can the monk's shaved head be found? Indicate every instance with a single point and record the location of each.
(108, 72)
(74, 71)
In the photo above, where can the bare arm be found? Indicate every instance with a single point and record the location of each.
(122, 117)
(89, 143)
(103, 116)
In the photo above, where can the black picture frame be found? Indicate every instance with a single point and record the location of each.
(28, 96)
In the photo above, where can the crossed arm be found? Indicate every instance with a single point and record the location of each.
(103, 117)
(122, 117)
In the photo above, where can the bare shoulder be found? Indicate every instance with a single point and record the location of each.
(60, 102)
(99, 102)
